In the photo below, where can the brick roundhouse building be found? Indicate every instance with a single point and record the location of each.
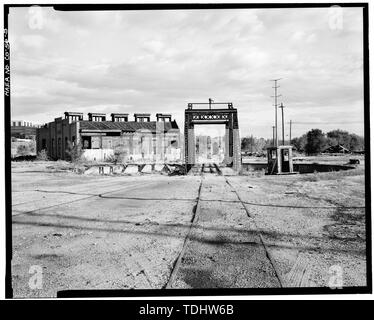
(141, 140)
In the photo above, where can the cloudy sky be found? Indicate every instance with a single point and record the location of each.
(158, 61)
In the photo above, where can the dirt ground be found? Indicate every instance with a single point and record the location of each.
(127, 232)
(312, 223)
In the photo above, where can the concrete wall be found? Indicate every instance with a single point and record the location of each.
(98, 154)
(252, 166)
(237, 155)
(318, 167)
(298, 167)
(29, 144)
(139, 147)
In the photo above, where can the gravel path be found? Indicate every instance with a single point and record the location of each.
(127, 232)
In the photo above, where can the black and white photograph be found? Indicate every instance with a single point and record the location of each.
(187, 149)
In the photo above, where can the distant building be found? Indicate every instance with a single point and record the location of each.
(138, 140)
(23, 129)
(336, 149)
(210, 149)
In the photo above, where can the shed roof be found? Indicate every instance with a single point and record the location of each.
(119, 114)
(336, 148)
(97, 114)
(131, 126)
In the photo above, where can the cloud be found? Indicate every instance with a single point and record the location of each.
(33, 41)
(158, 61)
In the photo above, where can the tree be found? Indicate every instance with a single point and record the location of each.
(315, 141)
(253, 144)
(299, 143)
(357, 143)
(348, 140)
(268, 143)
(261, 145)
(248, 143)
(339, 137)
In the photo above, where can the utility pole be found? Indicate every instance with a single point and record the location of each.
(282, 106)
(276, 96)
(273, 135)
(290, 131)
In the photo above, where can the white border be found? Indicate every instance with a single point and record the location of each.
(235, 297)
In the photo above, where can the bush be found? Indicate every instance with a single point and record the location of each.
(120, 154)
(111, 159)
(42, 155)
(74, 152)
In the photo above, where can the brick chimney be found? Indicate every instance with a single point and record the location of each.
(142, 117)
(163, 117)
(73, 116)
(96, 117)
(120, 117)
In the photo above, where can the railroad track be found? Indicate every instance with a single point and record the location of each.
(195, 217)
(213, 168)
(263, 243)
(205, 168)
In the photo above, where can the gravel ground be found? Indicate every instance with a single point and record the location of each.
(126, 232)
(128, 235)
(224, 250)
(311, 223)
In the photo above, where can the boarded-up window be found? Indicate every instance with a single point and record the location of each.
(86, 142)
(107, 142)
(96, 142)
